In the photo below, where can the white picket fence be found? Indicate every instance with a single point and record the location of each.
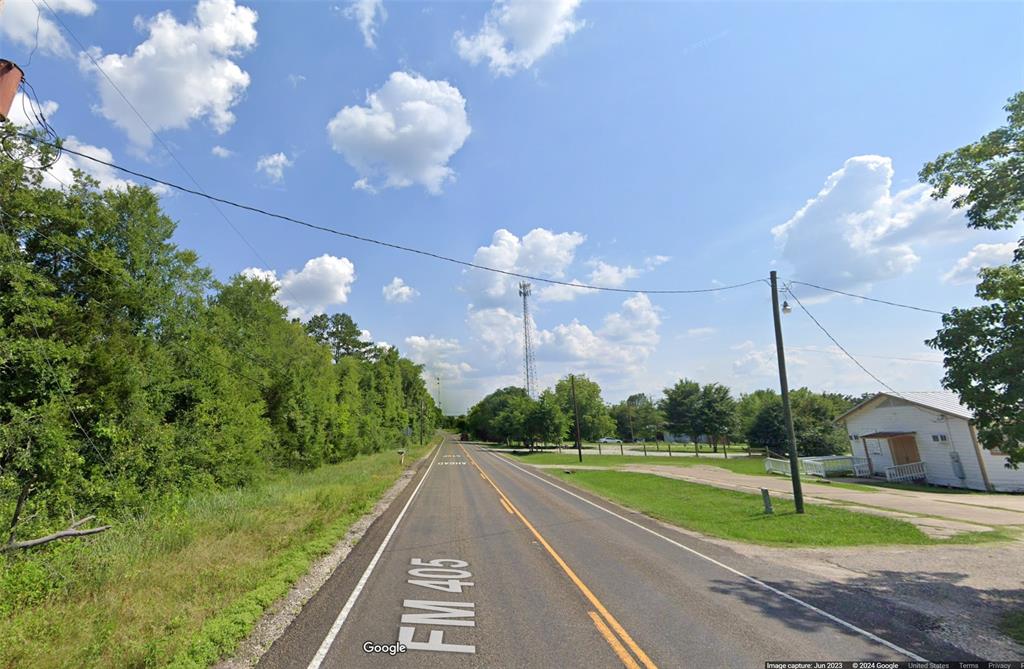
(861, 467)
(913, 471)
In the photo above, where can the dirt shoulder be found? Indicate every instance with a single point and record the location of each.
(960, 593)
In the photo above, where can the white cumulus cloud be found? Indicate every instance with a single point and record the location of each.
(24, 110)
(24, 22)
(625, 340)
(498, 330)
(405, 134)
(398, 291)
(436, 355)
(517, 33)
(982, 255)
(61, 173)
(651, 262)
(221, 152)
(180, 73)
(323, 282)
(856, 230)
(540, 252)
(611, 276)
(562, 293)
(368, 14)
(273, 166)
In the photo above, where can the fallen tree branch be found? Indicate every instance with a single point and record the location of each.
(70, 532)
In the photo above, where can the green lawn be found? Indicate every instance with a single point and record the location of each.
(1012, 625)
(739, 516)
(741, 465)
(184, 583)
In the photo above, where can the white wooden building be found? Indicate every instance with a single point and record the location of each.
(926, 436)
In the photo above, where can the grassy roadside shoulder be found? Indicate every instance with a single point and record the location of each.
(182, 586)
(739, 516)
(1012, 625)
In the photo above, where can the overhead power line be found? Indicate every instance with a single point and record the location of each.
(836, 342)
(378, 242)
(869, 299)
(123, 281)
(158, 138)
(866, 355)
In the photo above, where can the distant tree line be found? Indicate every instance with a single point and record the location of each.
(127, 372)
(707, 413)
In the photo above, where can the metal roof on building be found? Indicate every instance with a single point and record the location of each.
(943, 401)
(888, 434)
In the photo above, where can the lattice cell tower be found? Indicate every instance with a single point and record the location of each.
(529, 364)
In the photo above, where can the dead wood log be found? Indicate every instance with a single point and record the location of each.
(71, 531)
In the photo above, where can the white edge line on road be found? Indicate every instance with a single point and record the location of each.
(795, 600)
(321, 653)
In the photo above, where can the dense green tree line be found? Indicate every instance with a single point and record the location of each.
(127, 372)
(709, 412)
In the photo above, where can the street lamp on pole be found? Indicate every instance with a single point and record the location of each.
(794, 461)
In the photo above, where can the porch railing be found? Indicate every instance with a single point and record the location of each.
(828, 465)
(776, 466)
(861, 467)
(913, 471)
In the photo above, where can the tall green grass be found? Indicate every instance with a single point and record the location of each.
(182, 584)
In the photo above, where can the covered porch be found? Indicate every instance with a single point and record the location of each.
(903, 461)
(900, 462)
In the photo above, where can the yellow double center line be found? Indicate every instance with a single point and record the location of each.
(603, 620)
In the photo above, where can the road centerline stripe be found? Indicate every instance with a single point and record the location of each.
(785, 595)
(613, 641)
(591, 597)
(328, 641)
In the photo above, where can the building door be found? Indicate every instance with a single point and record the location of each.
(904, 450)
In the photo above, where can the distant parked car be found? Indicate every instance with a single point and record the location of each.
(609, 440)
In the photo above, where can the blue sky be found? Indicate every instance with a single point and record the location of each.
(632, 145)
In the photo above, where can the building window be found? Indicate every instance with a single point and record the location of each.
(854, 437)
(939, 438)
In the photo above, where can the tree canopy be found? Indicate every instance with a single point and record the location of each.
(595, 422)
(983, 347)
(637, 418)
(813, 422)
(127, 372)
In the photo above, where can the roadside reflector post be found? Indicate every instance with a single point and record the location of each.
(767, 500)
(401, 454)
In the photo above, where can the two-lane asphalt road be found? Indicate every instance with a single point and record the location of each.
(485, 563)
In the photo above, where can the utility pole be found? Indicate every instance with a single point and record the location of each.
(437, 379)
(576, 412)
(780, 353)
